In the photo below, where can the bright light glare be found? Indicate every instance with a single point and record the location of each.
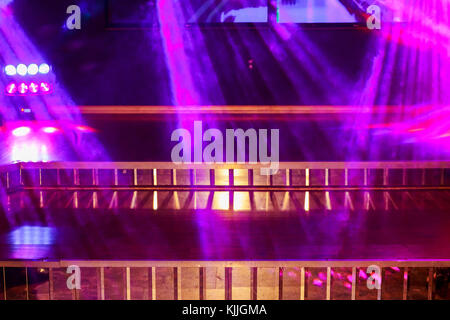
(44, 153)
(33, 69)
(44, 68)
(32, 235)
(10, 70)
(34, 152)
(49, 129)
(22, 69)
(21, 131)
(29, 151)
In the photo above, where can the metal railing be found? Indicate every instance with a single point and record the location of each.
(296, 186)
(239, 187)
(281, 279)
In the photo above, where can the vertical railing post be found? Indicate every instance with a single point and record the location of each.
(50, 284)
(254, 283)
(228, 283)
(307, 192)
(153, 283)
(380, 291)
(302, 283)
(94, 193)
(177, 283)
(27, 286)
(202, 283)
(327, 193)
(127, 283)
(354, 283)
(4, 284)
(405, 283)
(280, 283)
(101, 283)
(41, 193)
(135, 193)
(76, 182)
(328, 295)
(430, 283)
(155, 193)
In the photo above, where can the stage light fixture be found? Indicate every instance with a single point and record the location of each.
(11, 88)
(45, 87)
(34, 88)
(22, 88)
(44, 68)
(21, 131)
(33, 69)
(50, 129)
(22, 69)
(10, 70)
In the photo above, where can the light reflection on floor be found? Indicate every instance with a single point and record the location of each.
(30, 242)
(32, 235)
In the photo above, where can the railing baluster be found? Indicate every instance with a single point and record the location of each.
(41, 193)
(302, 283)
(328, 297)
(95, 183)
(153, 283)
(4, 284)
(75, 182)
(155, 193)
(202, 283)
(254, 283)
(101, 283)
(354, 283)
(430, 283)
(178, 283)
(405, 284)
(307, 192)
(327, 193)
(379, 291)
(51, 289)
(228, 283)
(280, 283)
(127, 283)
(27, 287)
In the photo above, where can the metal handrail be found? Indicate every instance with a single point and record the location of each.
(219, 166)
(228, 264)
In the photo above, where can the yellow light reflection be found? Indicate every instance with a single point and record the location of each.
(221, 201)
(241, 201)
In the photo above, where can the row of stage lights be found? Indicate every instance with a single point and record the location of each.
(23, 70)
(29, 142)
(24, 131)
(23, 88)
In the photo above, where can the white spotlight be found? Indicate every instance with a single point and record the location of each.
(44, 68)
(33, 69)
(10, 70)
(22, 69)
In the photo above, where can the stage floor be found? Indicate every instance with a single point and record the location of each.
(206, 235)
